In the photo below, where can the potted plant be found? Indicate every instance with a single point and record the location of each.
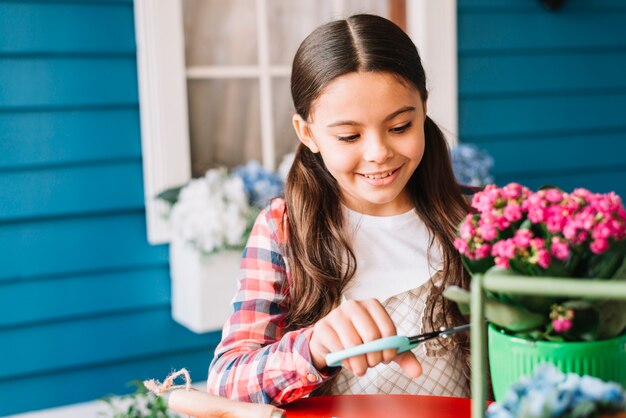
(210, 219)
(548, 233)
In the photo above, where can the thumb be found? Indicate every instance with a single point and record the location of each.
(409, 364)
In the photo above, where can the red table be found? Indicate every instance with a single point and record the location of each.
(380, 406)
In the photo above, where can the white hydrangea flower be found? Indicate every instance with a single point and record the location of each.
(212, 212)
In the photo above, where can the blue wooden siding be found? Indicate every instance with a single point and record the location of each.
(545, 92)
(84, 299)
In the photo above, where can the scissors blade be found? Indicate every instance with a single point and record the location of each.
(435, 334)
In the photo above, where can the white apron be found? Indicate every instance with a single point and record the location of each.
(442, 370)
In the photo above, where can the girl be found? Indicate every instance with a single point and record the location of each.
(361, 245)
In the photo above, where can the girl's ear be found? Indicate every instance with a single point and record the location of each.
(304, 133)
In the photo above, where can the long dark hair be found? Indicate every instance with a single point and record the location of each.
(321, 259)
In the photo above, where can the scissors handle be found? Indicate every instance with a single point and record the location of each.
(399, 342)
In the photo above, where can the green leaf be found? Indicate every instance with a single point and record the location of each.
(512, 318)
(170, 195)
(606, 264)
(620, 273)
(503, 315)
(478, 266)
(550, 186)
(612, 317)
(586, 321)
(461, 296)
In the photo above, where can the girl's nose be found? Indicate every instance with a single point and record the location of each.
(377, 150)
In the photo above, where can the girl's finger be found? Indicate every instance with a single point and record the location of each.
(349, 337)
(368, 330)
(385, 325)
(409, 363)
(329, 340)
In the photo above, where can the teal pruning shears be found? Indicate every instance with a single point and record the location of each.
(398, 342)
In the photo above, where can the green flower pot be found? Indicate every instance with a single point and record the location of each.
(511, 358)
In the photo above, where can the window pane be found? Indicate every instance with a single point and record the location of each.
(285, 138)
(291, 21)
(224, 123)
(219, 32)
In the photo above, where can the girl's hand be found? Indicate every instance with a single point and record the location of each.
(353, 323)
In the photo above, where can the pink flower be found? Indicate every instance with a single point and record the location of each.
(513, 212)
(562, 325)
(559, 248)
(467, 230)
(582, 193)
(537, 243)
(504, 248)
(543, 258)
(599, 246)
(502, 262)
(487, 229)
(522, 238)
(581, 237)
(536, 214)
(483, 250)
(570, 228)
(602, 230)
(514, 191)
(562, 318)
(554, 195)
(484, 201)
(460, 245)
(554, 219)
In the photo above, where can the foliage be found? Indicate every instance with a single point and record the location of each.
(550, 393)
(140, 404)
(548, 233)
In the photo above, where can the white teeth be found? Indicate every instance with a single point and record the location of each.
(378, 176)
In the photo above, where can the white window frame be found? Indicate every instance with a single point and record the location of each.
(163, 88)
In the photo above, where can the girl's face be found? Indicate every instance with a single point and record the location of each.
(369, 129)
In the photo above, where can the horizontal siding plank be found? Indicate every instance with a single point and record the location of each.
(535, 29)
(517, 5)
(90, 383)
(27, 302)
(540, 115)
(71, 190)
(553, 154)
(599, 182)
(66, 246)
(65, 137)
(57, 82)
(81, 343)
(538, 73)
(66, 28)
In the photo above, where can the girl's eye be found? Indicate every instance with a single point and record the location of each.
(348, 138)
(401, 129)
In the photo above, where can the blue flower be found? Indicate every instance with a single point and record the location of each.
(550, 393)
(261, 185)
(471, 165)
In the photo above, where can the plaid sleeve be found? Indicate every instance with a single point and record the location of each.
(257, 361)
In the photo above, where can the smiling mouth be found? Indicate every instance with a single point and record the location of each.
(381, 175)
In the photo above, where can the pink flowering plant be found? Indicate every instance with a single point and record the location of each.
(547, 233)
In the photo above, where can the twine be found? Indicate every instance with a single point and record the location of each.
(159, 388)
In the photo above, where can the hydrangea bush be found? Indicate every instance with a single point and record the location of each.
(549, 393)
(547, 233)
(472, 166)
(216, 212)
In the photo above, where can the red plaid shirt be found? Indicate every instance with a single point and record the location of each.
(257, 360)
